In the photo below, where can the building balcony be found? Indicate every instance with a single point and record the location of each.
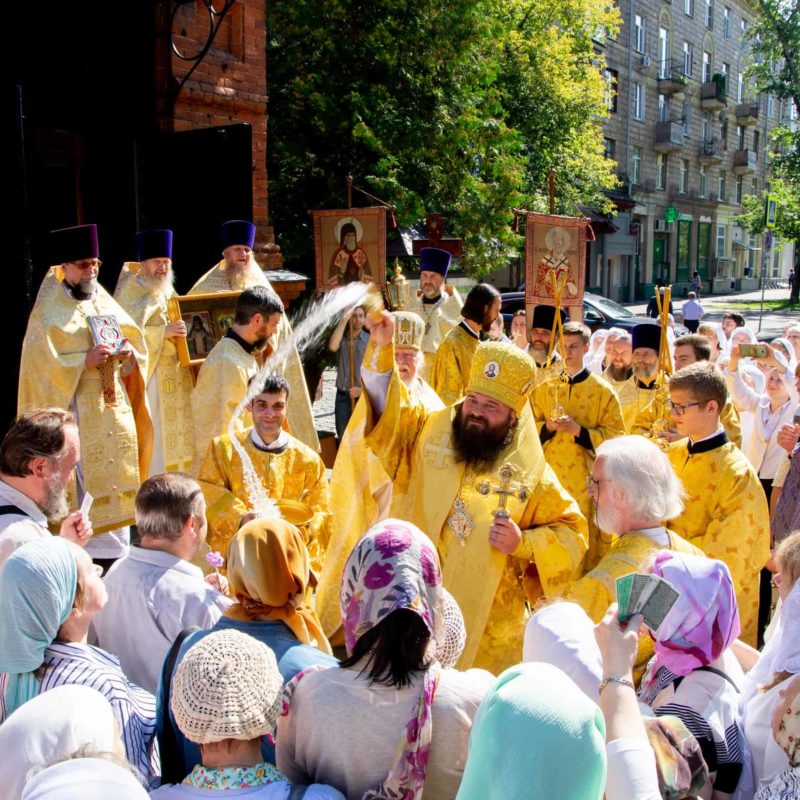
(669, 137)
(672, 79)
(747, 113)
(712, 95)
(744, 162)
(710, 152)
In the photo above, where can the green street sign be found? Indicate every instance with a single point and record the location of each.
(685, 218)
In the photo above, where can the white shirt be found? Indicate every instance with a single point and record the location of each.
(692, 310)
(152, 597)
(18, 529)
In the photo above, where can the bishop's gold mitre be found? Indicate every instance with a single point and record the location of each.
(408, 330)
(503, 372)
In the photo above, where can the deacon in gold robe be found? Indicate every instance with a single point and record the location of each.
(238, 270)
(689, 350)
(224, 377)
(573, 419)
(288, 472)
(634, 489)
(726, 512)
(438, 304)
(619, 374)
(451, 367)
(100, 379)
(473, 477)
(361, 491)
(143, 288)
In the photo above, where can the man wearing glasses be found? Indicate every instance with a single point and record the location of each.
(101, 383)
(725, 512)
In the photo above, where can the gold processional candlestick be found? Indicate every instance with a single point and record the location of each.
(661, 424)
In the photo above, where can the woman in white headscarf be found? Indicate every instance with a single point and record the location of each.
(84, 779)
(65, 723)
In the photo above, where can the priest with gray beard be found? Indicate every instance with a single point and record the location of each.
(143, 290)
(38, 457)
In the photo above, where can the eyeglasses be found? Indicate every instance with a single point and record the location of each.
(680, 408)
(594, 483)
(87, 264)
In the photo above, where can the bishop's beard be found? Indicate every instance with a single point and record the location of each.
(480, 444)
(82, 290)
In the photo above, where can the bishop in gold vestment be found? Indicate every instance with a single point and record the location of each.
(108, 400)
(143, 289)
(468, 506)
(237, 271)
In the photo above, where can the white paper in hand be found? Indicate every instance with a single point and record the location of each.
(86, 505)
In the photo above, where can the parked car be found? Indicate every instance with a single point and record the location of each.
(598, 312)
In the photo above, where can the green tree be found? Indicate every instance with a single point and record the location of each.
(425, 104)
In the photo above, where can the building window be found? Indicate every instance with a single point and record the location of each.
(754, 188)
(720, 241)
(743, 29)
(702, 187)
(687, 59)
(756, 143)
(687, 119)
(706, 66)
(705, 127)
(638, 101)
(638, 33)
(636, 172)
(683, 185)
(661, 171)
(609, 147)
(726, 22)
(740, 137)
(739, 189)
(740, 87)
(723, 133)
(663, 53)
(723, 176)
(709, 14)
(770, 106)
(688, 7)
(663, 108)
(611, 77)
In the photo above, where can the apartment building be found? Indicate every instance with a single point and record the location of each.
(689, 136)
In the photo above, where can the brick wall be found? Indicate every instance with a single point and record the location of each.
(229, 85)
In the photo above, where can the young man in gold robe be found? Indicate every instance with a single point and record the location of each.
(474, 478)
(453, 358)
(238, 270)
(438, 304)
(689, 350)
(102, 384)
(361, 491)
(726, 513)
(143, 288)
(573, 418)
(287, 469)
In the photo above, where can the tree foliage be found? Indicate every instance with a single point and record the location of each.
(459, 107)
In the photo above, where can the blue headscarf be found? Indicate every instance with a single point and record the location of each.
(37, 592)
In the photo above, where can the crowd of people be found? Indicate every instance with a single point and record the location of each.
(192, 606)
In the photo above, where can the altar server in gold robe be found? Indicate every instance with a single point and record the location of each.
(437, 303)
(103, 385)
(223, 379)
(573, 418)
(689, 350)
(726, 513)
(473, 477)
(286, 469)
(361, 491)
(238, 270)
(453, 358)
(143, 289)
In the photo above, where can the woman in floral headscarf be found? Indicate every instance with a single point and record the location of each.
(694, 675)
(389, 722)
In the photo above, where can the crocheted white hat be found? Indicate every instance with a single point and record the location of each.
(227, 686)
(455, 633)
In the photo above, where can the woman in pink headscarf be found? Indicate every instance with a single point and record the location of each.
(694, 675)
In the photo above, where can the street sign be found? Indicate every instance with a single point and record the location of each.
(770, 211)
(670, 214)
(767, 241)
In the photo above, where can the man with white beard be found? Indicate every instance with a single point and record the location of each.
(38, 457)
(143, 290)
(361, 492)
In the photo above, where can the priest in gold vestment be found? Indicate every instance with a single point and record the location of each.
(451, 367)
(143, 288)
(224, 377)
(573, 419)
(238, 270)
(619, 374)
(101, 383)
(286, 469)
(726, 512)
(361, 491)
(639, 390)
(473, 477)
(437, 304)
